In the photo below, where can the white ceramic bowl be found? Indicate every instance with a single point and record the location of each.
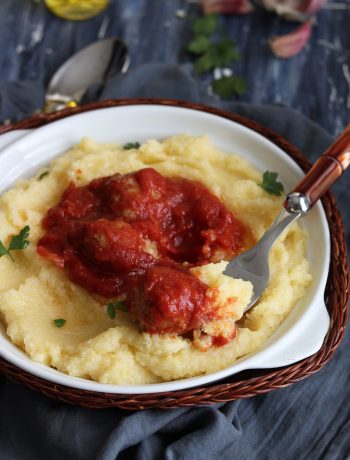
(299, 336)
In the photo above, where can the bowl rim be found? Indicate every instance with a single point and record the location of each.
(44, 119)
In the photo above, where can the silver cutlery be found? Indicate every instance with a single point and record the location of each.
(93, 64)
(253, 265)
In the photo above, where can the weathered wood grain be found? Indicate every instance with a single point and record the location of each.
(33, 43)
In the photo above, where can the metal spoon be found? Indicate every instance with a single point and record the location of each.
(253, 265)
(93, 64)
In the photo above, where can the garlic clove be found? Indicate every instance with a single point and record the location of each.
(227, 6)
(295, 10)
(286, 46)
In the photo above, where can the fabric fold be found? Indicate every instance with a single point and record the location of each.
(305, 420)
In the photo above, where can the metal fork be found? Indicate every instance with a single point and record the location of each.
(253, 265)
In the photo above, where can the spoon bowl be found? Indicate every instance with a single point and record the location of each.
(95, 63)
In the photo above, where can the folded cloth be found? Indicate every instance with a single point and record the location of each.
(20, 98)
(309, 420)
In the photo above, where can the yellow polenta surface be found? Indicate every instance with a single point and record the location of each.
(33, 292)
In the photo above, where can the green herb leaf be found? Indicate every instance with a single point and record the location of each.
(225, 52)
(226, 87)
(59, 322)
(17, 242)
(206, 62)
(3, 250)
(205, 25)
(199, 45)
(217, 55)
(112, 307)
(132, 145)
(42, 175)
(20, 241)
(270, 184)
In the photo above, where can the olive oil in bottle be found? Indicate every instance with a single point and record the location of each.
(76, 10)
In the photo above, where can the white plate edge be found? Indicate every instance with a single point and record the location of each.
(15, 135)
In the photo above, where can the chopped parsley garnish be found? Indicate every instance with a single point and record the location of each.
(59, 322)
(226, 87)
(17, 242)
(113, 307)
(43, 174)
(131, 145)
(270, 183)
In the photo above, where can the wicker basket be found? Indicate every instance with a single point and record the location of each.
(244, 384)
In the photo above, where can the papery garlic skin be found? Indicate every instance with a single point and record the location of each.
(294, 10)
(284, 46)
(227, 6)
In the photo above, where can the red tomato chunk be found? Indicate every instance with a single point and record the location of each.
(136, 236)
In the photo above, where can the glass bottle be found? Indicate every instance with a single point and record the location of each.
(76, 10)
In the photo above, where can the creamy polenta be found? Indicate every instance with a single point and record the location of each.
(91, 344)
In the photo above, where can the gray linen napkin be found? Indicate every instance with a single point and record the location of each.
(309, 420)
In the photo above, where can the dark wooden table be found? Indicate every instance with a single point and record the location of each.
(34, 43)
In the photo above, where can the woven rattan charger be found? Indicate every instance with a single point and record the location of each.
(244, 384)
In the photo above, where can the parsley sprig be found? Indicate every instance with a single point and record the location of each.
(114, 306)
(205, 25)
(216, 54)
(226, 86)
(17, 242)
(131, 145)
(43, 174)
(59, 322)
(270, 183)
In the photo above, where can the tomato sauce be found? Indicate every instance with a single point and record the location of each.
(135, 236)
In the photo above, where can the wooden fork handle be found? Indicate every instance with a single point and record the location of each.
(327, 169)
